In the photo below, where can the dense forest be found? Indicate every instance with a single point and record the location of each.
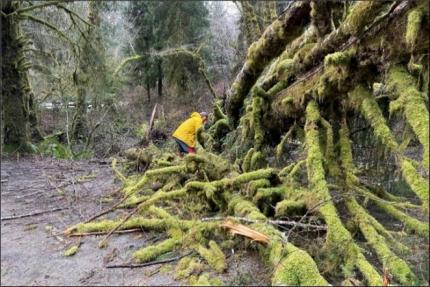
(315, 154)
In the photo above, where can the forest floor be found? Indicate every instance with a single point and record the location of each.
(32, 248)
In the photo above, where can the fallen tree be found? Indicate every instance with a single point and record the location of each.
(281, 147)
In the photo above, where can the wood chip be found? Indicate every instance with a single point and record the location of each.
(243, 230)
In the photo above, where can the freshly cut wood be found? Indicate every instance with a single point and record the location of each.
(246, 231)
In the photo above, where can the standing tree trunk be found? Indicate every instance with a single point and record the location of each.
(14, 88)
(35, 133)
(252, 29)
(90, 63)
(79, 125)
(160, 80)
(148, 92)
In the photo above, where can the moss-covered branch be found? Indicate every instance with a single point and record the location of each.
(362, 98)
(413, 104)
(48, 25)
(337, 234)
(271, 44)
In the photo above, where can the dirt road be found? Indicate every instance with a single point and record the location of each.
(32, 248)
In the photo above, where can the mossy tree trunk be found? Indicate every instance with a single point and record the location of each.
(90, 74)
(15, 88)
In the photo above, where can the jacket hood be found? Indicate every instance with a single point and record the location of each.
(195, 114)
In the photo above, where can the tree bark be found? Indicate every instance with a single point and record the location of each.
(88, 59)
(148, 92)
(14, 89)
(160, 80)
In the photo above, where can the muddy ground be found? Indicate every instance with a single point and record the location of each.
(32, 248)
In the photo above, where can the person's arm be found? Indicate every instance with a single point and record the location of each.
(198, 124)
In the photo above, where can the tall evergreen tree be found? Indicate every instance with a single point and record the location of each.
(159, 28)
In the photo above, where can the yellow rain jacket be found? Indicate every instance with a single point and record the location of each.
(186, 132)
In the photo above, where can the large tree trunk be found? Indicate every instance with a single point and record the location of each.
(79, 123)
(36, 135)
(15, 88)
(90, 72)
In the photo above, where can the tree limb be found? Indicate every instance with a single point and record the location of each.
(49, 25)
(156, 262)
(32, 214)
(71, 12)
(30, 8)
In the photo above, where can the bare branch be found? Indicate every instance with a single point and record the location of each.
(71, 12)
(49, 25)
(30, 8)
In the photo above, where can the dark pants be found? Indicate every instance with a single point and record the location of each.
(183, 147)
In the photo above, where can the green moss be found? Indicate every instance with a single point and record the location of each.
(284, 172)
(266, 196)
(413, 104)
(413, 28)
(346, 156)
(236, 182)
(329, 149)
(252, 186)
(106, 225)
(339, 58)
(205, 280)
(360, 15)
(221, 126)
(158, 212)
(345, 148)
(152, 252)
(246, 165)
(267, 173)
(133, 200)
(119, 175)
(370, 195)
(244, 208)
(284, 66)
(396, 245)
(290, 207)
(213, 165)
(280, 147)
(338, 238)
(71, 251)
(397, 266)
(214, 256)
(257, 110)
(411, 224)
(165, 171)
(312, 113)
(258, 161)
(371, 111)
(218, 113)
(332, 81)
(186, 267)
(294, 170)
(301, 54)
(418, 184)
(297, 268)
(275, 252)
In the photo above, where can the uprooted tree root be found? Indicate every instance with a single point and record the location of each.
(303, 82)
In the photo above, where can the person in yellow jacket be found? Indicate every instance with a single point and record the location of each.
(185, 134)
